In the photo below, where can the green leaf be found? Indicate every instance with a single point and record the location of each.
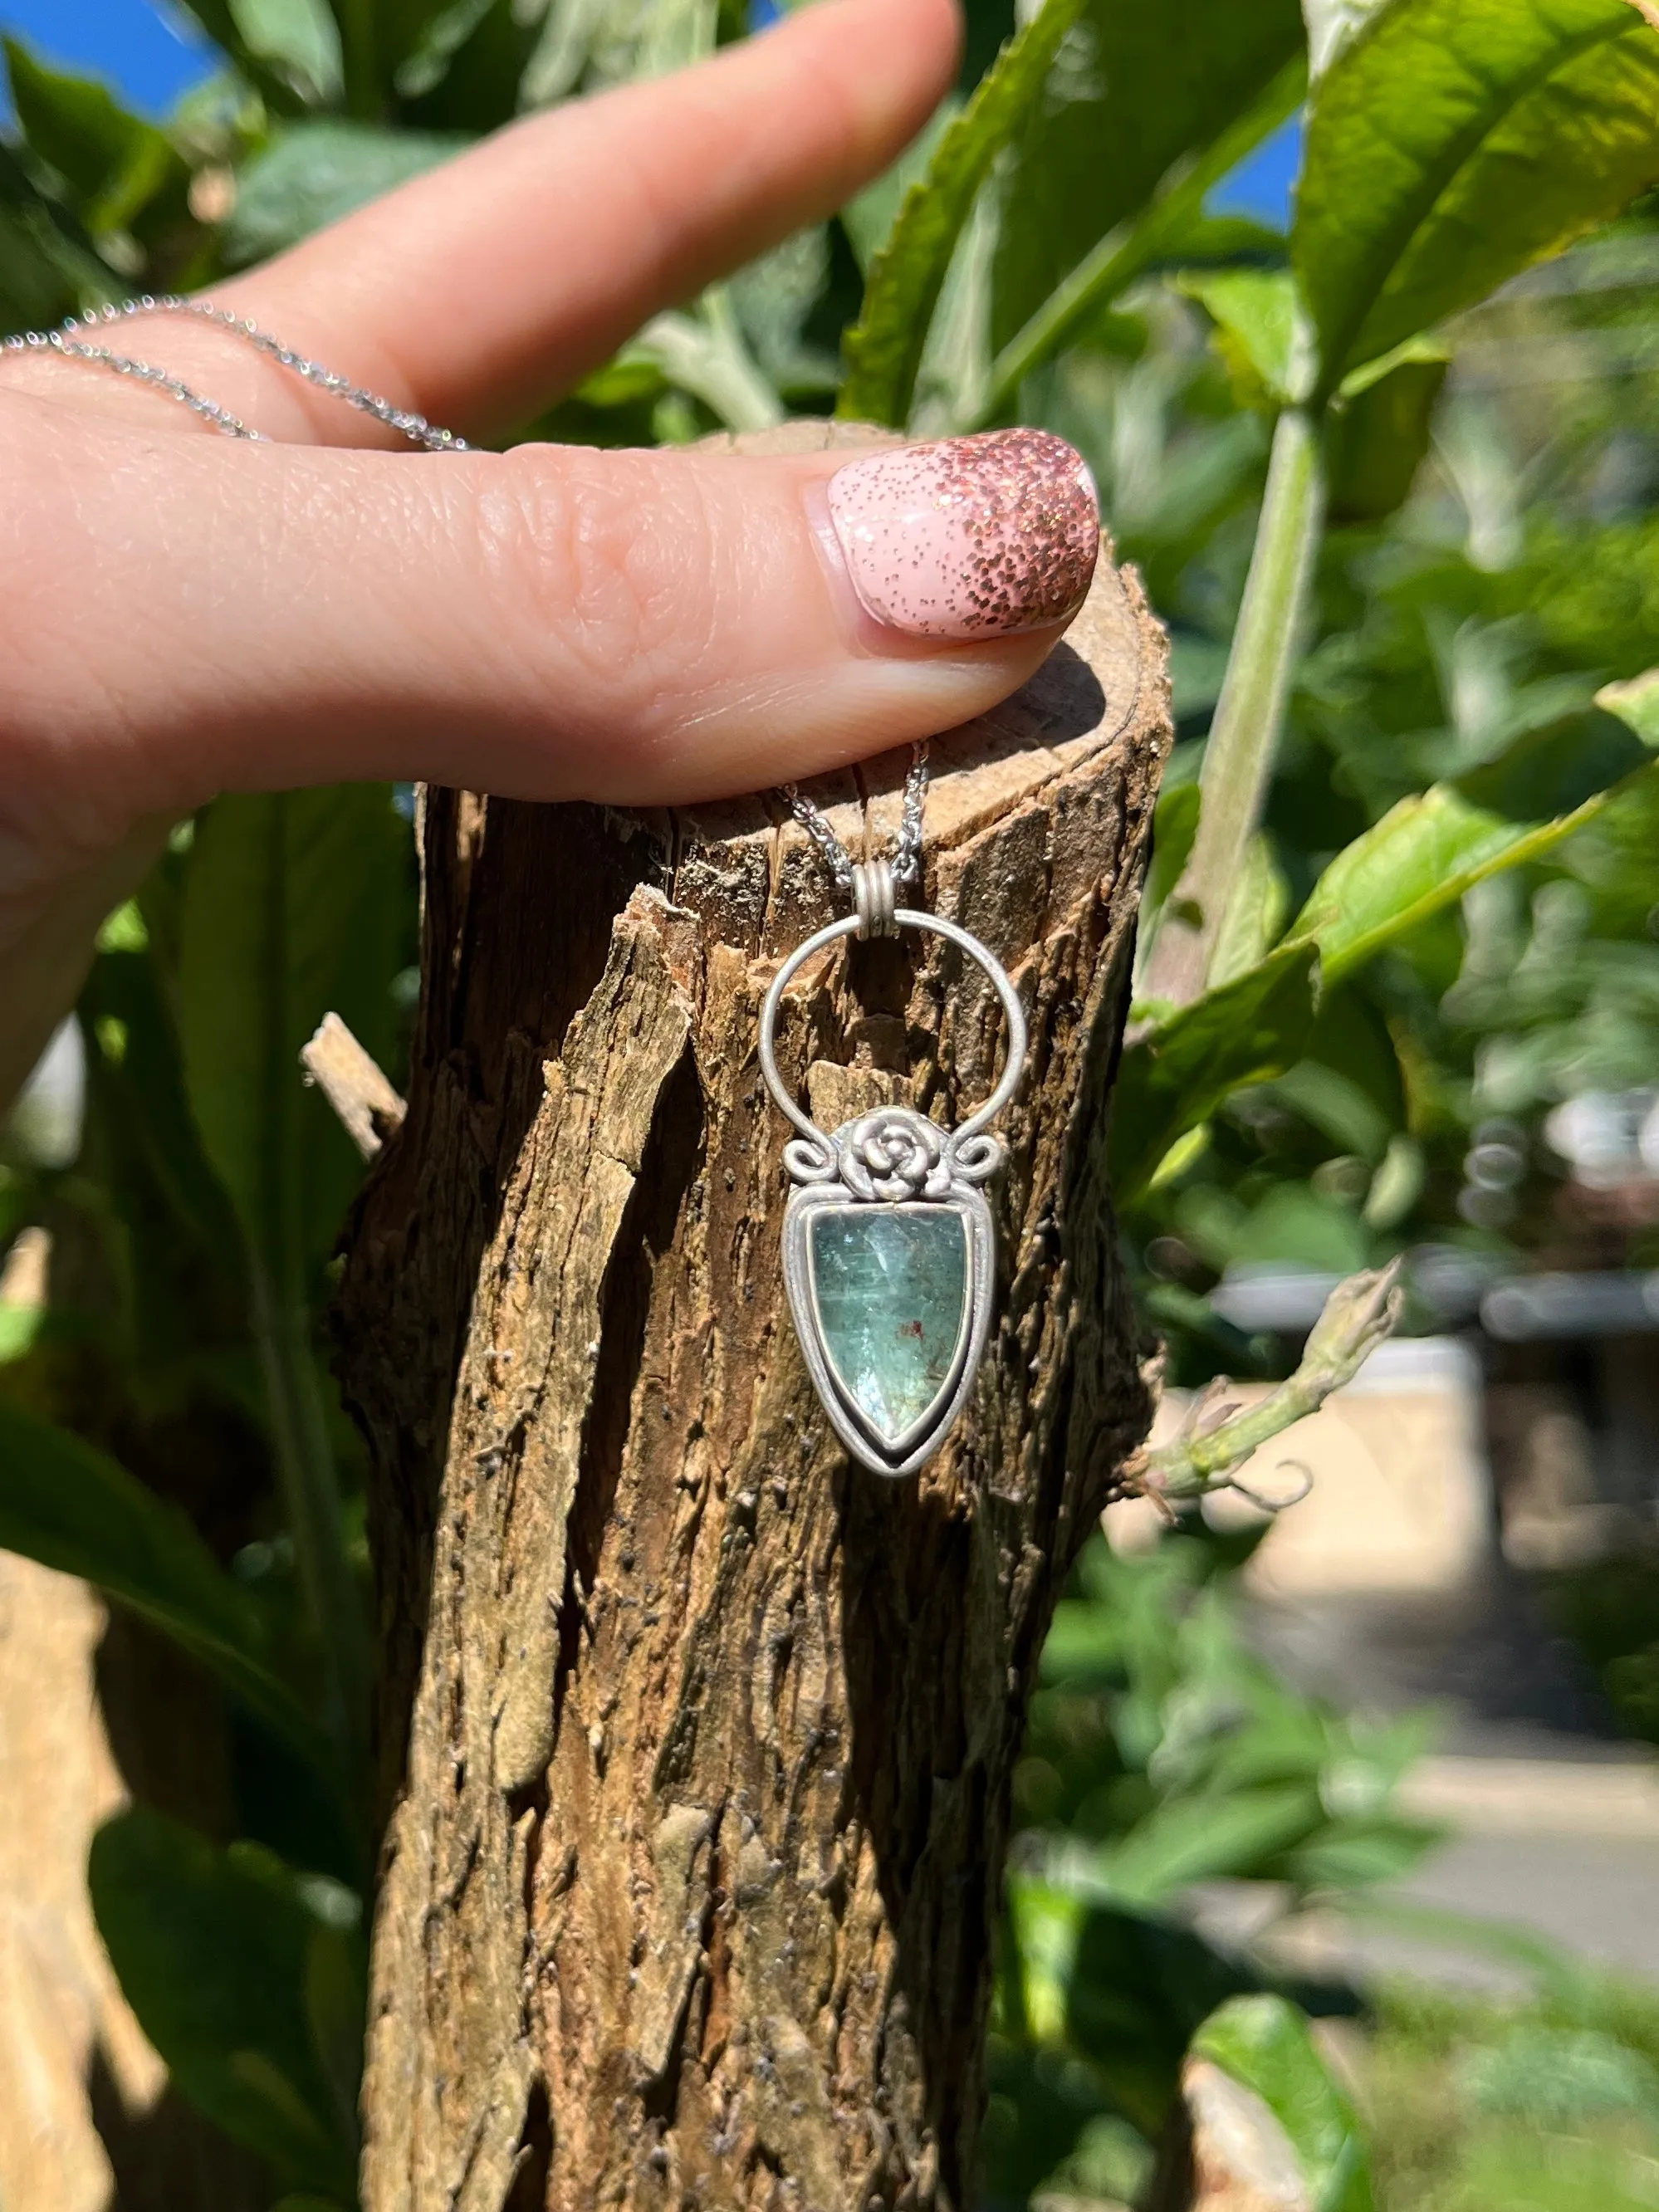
(214, 1950)
(1176, 1077)
(297, 40)
(1450, 143)
(1137, 1988)
(314, 173)
(884, 350)
(293, 909)
(113, 164)
(1258, 324)
(71, 1508)
(1209, 1839)
(1636, 704)
(1172, 227)
(1421, 857)
(1255, 913)
(49, 267)
(1175, 825)
(143, 1081)
(1264, 2043)
(869, 216)
(1377, 442)
(1136, 94)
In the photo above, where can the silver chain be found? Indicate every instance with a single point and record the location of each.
(905, 867)
(907, 853)
(71, 342)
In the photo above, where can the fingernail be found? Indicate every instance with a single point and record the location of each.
(979, 536)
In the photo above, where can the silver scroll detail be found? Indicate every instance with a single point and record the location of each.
(895, 1158)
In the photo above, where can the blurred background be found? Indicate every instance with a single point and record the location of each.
(1389, 1752)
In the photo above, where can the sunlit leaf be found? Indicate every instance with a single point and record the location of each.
(1264, 2043)
(1452, 143)
(1134, 93)
(884, 351)
(1420, 859)
(115, 164)
(1176, 1076)
(1258, 322)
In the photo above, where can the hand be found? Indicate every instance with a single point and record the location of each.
(181, 613)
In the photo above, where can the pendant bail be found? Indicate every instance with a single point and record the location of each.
(875, 896)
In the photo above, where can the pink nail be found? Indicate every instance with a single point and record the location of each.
(977, 537)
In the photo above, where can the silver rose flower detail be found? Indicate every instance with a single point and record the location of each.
(893, 1154)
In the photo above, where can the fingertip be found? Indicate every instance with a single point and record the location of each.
(895, 60)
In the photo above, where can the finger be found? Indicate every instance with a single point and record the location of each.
(481, 290)
(552, 623)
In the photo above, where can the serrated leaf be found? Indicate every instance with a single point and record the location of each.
(1136, 94)
(885, 350)
(70, 1507)
(214, 1950)
(1420, 859)
(1264, 2043)
(1176, 1077)
(1450, 143)
(315, 173)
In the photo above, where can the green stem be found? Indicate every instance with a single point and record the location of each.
(705, 356)
(1358, 1315)
(311, 1499)
(1249, 715)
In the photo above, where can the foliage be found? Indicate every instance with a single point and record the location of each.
(1160, 1752)
(1544, 2102)
(1402, 895)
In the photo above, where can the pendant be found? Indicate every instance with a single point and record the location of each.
(889, 1253)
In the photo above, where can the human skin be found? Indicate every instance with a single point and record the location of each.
(182, 614)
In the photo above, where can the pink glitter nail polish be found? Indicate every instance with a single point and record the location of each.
(969, 537)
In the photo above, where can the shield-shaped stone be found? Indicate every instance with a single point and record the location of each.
(891, 1288)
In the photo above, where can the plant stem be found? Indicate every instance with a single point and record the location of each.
(706, 355)
(1249, 714)
(310, 1497)
(1360, 1312)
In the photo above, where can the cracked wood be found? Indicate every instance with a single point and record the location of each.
(696, 1741)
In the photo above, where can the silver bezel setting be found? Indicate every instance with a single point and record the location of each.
(893, 1157)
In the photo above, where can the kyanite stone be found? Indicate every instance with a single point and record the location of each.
(893, 1284)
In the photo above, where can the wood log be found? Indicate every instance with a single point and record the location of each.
(695, 1741)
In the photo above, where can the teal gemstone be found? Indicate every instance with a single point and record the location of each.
(892, 1288)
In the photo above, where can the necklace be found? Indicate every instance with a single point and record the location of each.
(888, 1250)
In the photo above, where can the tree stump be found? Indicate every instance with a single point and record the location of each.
(694, 1740)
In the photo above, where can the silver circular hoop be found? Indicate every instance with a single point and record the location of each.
(852, 925)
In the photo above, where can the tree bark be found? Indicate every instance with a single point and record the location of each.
(695, 1741)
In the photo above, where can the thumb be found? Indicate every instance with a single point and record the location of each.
(551, 623)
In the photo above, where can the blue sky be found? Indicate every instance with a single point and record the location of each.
(150, 54)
